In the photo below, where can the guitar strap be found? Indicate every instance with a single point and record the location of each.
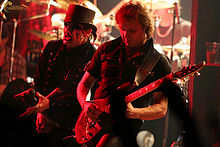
(148, 64)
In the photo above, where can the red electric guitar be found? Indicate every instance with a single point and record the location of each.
(88, 131)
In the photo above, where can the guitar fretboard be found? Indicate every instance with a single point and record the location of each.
(142, 91)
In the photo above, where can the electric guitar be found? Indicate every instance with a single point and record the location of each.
(88, 131)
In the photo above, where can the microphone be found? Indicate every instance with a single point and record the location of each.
(30, 92)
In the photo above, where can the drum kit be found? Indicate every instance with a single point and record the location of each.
(106, 20)
(104, 23)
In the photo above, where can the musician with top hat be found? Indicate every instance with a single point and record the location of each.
(61, 66)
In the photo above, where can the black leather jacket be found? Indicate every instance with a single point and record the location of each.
(61, 68)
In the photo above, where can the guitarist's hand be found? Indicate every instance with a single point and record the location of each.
(92, 112)
(130, 111)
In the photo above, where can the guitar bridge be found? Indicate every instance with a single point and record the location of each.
(92, 124)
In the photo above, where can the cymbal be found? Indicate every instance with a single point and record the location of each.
(42, 35)
(86, 3)
(65, 4)
(177, 47)
(151, 4)
(158, 4)
(45, 2)
(108, 19)
(91, 6)
(57, 20)
(32, 17)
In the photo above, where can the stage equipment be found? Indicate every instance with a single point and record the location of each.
(65, 4)
(2, 17)
(57, 20)
(158, 4)
(175, 15)
(53, 3)
(15, 23)
(183, 49)
(43, 35)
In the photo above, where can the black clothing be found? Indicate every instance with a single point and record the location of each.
(63, 68)
(57, 62)
(112, 68)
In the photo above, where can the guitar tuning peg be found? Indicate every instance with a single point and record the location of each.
(198, 74)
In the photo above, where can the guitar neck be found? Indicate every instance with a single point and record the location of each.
(142, 91)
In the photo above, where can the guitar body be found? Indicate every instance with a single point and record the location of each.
(86, 129)
(89, 132)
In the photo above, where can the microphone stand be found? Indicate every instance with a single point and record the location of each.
(173, 33)
(2, 17)
(1, 25)
(175, 13)
(12, 51)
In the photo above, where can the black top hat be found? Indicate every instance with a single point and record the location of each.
(79, 14)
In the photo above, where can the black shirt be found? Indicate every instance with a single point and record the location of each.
(110, 66)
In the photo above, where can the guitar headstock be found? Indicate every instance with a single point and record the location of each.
(189, 70)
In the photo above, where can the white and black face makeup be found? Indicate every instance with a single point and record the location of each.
(75, 34)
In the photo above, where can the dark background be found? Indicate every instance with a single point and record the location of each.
(206, 92)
